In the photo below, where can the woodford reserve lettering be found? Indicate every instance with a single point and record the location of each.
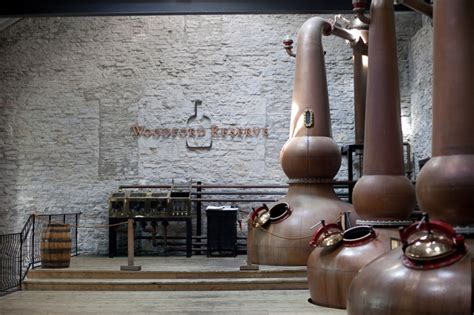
(141, 131)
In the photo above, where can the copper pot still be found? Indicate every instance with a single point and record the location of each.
(310, 159)
(429, 274)
(338, 257)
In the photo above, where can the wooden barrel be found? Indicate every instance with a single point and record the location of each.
(56, 246)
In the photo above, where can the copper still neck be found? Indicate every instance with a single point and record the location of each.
(310, 85)
(453, 78)
(360, 63)
(383, 192)
(310, 152)
(445, 184)
(360, 86)
(383, 151)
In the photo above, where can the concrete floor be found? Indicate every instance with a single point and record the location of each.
(163, 302)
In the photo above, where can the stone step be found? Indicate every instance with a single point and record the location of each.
(221, 284)
(117, 274)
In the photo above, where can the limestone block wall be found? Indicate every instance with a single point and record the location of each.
(72, 88)
(421, 75)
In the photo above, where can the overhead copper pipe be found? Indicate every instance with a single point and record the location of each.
(445, 186)
(310, 158)
(359, 9)
(383, 192)
(335, 30)
(419, 6)
(344, 33)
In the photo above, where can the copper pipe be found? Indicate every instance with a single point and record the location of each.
(445, 187)
(383, 192)
(360, 15)
(359, 8)
(419, 6)
(359, 33)
(344, 33)
(288, 45)
(335, 30)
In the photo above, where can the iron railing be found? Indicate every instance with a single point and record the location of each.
(20, 252)
(219, 194)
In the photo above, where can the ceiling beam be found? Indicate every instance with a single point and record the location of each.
(32, 8)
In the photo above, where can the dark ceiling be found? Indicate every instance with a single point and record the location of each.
(24, 8)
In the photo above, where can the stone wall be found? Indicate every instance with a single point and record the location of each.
(421, 75)
(71, 88)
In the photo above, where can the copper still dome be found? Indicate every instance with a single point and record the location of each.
(332, 268)
(429, 274)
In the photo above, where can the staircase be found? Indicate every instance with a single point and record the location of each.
(111, 280)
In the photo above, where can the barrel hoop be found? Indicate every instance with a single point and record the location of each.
(58, 229)
(55, 251)
(56, 240)
(61, 265)
(51, 262)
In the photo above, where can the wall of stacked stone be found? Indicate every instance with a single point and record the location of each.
(421, 75)
(72, 88)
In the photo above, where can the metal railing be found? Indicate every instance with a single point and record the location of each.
(20, 252)
(247, 196)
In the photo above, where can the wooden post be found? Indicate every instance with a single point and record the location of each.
(249, 265)
(131, 249)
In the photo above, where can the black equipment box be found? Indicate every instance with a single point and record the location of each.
(222, 232)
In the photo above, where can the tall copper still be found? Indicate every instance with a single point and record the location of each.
(383, 194)
(310, 159)
(445, 189)
(445, 185)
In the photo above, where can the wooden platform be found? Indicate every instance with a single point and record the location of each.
(198, 273)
